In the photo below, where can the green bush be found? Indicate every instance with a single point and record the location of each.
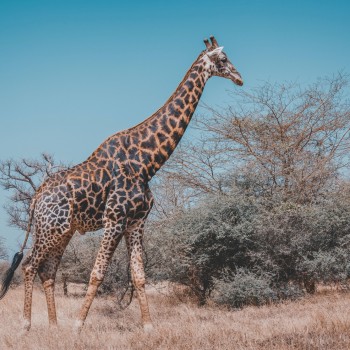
(292, 247)
(244, 288)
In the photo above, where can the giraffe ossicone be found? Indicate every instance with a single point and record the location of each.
(216, 51)
(110, 190)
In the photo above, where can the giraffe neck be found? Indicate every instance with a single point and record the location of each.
(156, 138)
(144, 148)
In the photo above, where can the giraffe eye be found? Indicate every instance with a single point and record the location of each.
(224, 59)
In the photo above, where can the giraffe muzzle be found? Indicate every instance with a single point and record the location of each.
(236, 78)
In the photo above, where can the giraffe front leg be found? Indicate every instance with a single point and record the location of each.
(110, 240)
(49, 288)
(134, 244)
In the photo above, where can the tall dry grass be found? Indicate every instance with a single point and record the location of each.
(318, 322)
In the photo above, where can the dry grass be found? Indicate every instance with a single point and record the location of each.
(319, 322)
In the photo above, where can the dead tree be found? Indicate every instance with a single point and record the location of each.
(296, 139)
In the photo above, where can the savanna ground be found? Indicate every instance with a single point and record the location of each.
(318, 322)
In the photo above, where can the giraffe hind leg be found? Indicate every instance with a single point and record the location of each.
(44, 260)
(47, 274)
(29, 275)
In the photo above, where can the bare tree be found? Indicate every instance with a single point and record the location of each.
(295, 139)
(21, 179)
(210, 164)
(197, 168)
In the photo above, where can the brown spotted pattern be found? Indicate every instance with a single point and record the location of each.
(110, 191)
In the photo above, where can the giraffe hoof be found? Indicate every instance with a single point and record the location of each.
(26, 326)
(148, 327)
(53, 326)
(25, 329)
(78, 326)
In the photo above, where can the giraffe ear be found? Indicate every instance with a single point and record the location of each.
(215, 52)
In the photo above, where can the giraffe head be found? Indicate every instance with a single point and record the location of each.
(219, 64)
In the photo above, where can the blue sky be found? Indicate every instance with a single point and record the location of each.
(74, 72)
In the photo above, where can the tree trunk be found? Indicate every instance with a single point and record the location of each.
(65, 285)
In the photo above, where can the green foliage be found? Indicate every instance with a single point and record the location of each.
(200, 244)
(244, 287)
(249, 250)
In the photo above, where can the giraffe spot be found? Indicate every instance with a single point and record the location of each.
(134, 154)
(95, 187)
(150, 143)
(128, 184)
(173, 111)
(198, 93)
(168, 148)
(135, 140)
(164, 119)
(159, 158)
(109, 167)
(145, 157)
(144, 133)
(102, 153)
(61, 220)
(113, 142)
(83, 205)
(182, 124)
(190, 85)
(199, 83)
(135, 167)
(188, 112)
(92, 211)
(161, 137)
(121, 155)
(172, 122)
(111, 151)
(183, 92)
(153, 128)
(103, 177)
(165, 128)
(125, 141)
(179, 103)
(120, 181)
(93, 159)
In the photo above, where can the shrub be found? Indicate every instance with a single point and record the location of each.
(244, 288)
(245, 249)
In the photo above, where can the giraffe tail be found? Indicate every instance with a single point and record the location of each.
(6, 280)
(9, 273)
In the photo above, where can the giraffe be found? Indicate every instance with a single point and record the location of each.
(110, 190)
